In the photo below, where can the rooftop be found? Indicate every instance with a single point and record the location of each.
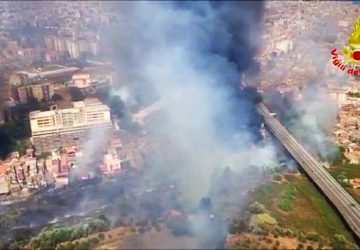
(39, 114)
(47, 70)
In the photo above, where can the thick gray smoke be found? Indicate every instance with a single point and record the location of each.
(316, 118)
(313, 118)
(191, 55)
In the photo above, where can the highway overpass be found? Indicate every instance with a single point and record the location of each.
(345, 204)
(341, 199)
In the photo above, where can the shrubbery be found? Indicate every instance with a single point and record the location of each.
(313, 236)
(284, 232)
(50, 238)
(101, 236)
(237, 226)
(257, 208)
(287, 197)
(179, 226)
(277, 177)
(339, 241)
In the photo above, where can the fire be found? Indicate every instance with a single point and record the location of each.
(353, 51)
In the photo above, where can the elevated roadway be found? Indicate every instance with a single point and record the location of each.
(341, 199)
(346, 205)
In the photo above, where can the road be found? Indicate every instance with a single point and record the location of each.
(341, 199)
(346, 205)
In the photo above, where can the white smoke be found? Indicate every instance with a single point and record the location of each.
(193, 86)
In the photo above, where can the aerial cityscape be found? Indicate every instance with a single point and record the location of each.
(179, 125)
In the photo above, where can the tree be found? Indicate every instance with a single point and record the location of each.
(288, 232)
(20, 146)
(341, 177)
(77, 233)
(98, 225)
(179, 226)
(339, 241)
(76, 95)
(57, 97)
(277, 177)
(237, 226)
(14, 246)
(101, 236)
(300, 246)
(83, 246)
(33, 101)
(35, 243)
(94, 241)
(6, 144)
(66, 246)
(313, 236)
(302, 237)
(257, 208)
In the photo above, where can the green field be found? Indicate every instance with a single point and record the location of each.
(309, 209)
(350, 171)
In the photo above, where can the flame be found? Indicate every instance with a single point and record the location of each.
(354, 42)
(354, 39)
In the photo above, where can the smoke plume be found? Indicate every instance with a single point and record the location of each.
(191, 55)
(312, 118)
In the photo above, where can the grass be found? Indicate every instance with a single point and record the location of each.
(265, 218)
(351, 171)
(310, 211)
(285, 202)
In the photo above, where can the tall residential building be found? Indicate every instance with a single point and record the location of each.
(72, 47)
(68, 127)
(59, 44)
(42, 91)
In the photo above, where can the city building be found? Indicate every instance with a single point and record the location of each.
(24, 77)
(4, 185)
(42, 91)
(81, 80)
(93, 77)
(68, 127)
(72, 45)
(111, 163)
(339, 95)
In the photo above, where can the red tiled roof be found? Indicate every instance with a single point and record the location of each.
(63, 162)
(3, 168)
(63, 174)
(71, 150)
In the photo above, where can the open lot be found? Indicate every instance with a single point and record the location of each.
(309, 211)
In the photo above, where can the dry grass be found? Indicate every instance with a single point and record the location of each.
(269, 241)
(310, 211)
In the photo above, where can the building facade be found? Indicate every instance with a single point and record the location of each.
(68, 127)
(72, 45)
(41, 92)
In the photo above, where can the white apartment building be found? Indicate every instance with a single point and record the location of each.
(67, 127)
(81, 80)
